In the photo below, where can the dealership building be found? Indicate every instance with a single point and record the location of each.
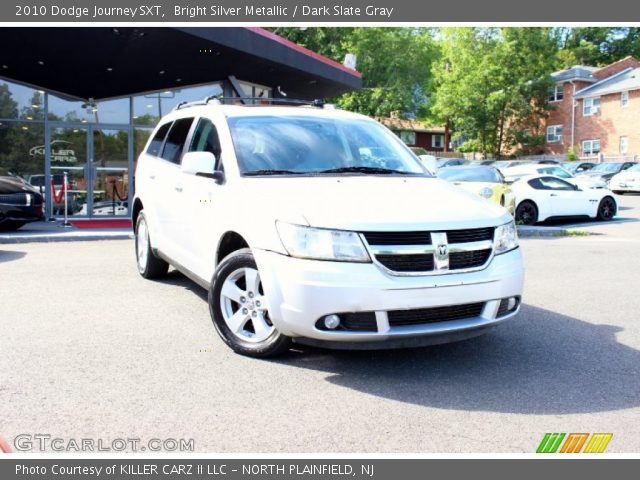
(85, 100)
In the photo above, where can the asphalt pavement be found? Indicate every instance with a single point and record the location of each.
(89, 349)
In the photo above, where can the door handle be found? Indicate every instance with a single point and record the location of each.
(178, 188)
(553, 195)
(152, 176)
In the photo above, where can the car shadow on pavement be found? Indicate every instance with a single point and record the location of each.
(174, 277)
(541, 362)
(9, 256)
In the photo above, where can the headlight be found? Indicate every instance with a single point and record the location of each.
(486, 192)
(322, 244)
(505, 238)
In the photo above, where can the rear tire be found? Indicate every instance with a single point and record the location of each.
(238, 308)
(149, 266)
(607, 209)
(526, 213)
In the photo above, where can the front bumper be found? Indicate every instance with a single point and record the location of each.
(31, 213)
(624, 186)
(300, 292)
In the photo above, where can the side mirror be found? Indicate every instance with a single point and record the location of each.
(201, 164)
(579, 169)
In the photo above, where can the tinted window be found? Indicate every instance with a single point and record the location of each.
(176, 139)
(535, 183)
(156, 143)
(205, 139)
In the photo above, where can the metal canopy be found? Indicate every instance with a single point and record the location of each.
(101, 63)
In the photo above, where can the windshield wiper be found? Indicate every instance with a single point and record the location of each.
(364, 169)
(272, 172)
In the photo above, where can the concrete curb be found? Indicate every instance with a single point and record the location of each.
(550, 232)
(65, 237)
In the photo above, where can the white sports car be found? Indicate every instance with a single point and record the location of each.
(540, 197)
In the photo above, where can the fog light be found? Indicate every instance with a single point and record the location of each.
(332, 321)
(511, 303)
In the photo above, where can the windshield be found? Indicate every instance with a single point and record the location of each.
(288, 145)
(607, 167)
(473, 174)
(557, 171)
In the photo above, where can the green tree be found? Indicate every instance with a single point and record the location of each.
(597, 46)
(492, 86)
(395, 64)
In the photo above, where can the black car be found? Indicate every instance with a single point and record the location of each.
(20, 203)
(576, 167)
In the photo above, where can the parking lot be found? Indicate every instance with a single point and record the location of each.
(89, 349)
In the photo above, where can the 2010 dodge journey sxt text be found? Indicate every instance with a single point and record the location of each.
(313, 225)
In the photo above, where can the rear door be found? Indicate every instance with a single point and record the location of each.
(169, 181)
(147, 183)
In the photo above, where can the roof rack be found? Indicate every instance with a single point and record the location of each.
(218, 100)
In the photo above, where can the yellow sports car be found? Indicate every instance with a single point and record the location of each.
(485, 181)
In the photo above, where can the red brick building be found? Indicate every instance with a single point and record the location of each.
(597, 110)
(416, 134)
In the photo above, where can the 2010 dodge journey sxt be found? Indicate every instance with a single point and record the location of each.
(313, 225)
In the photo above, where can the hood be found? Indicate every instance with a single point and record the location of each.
(628, 175)
(592, 174)
(16, 185)
(372, 203)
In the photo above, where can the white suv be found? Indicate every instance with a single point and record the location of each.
(313, 225)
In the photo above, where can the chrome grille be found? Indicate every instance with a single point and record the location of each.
(400, 318)
(14, 199)
(431, 252)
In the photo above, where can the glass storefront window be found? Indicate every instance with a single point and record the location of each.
(148, 109)
(140, 137)
(108, 111)
(20, 102)
(89, 141)
(22, 150)
(110, 172)
(254, 90)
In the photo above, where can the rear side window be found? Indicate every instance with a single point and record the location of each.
(176, 139)
(156, 143)
(205, 139)
(535, 183)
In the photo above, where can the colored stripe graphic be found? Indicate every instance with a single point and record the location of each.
(550, 442)
(574, 443)
(598, 442)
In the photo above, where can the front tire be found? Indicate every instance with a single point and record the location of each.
(238, 308)
(527, 213)
(149, 266)
(607, 209)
